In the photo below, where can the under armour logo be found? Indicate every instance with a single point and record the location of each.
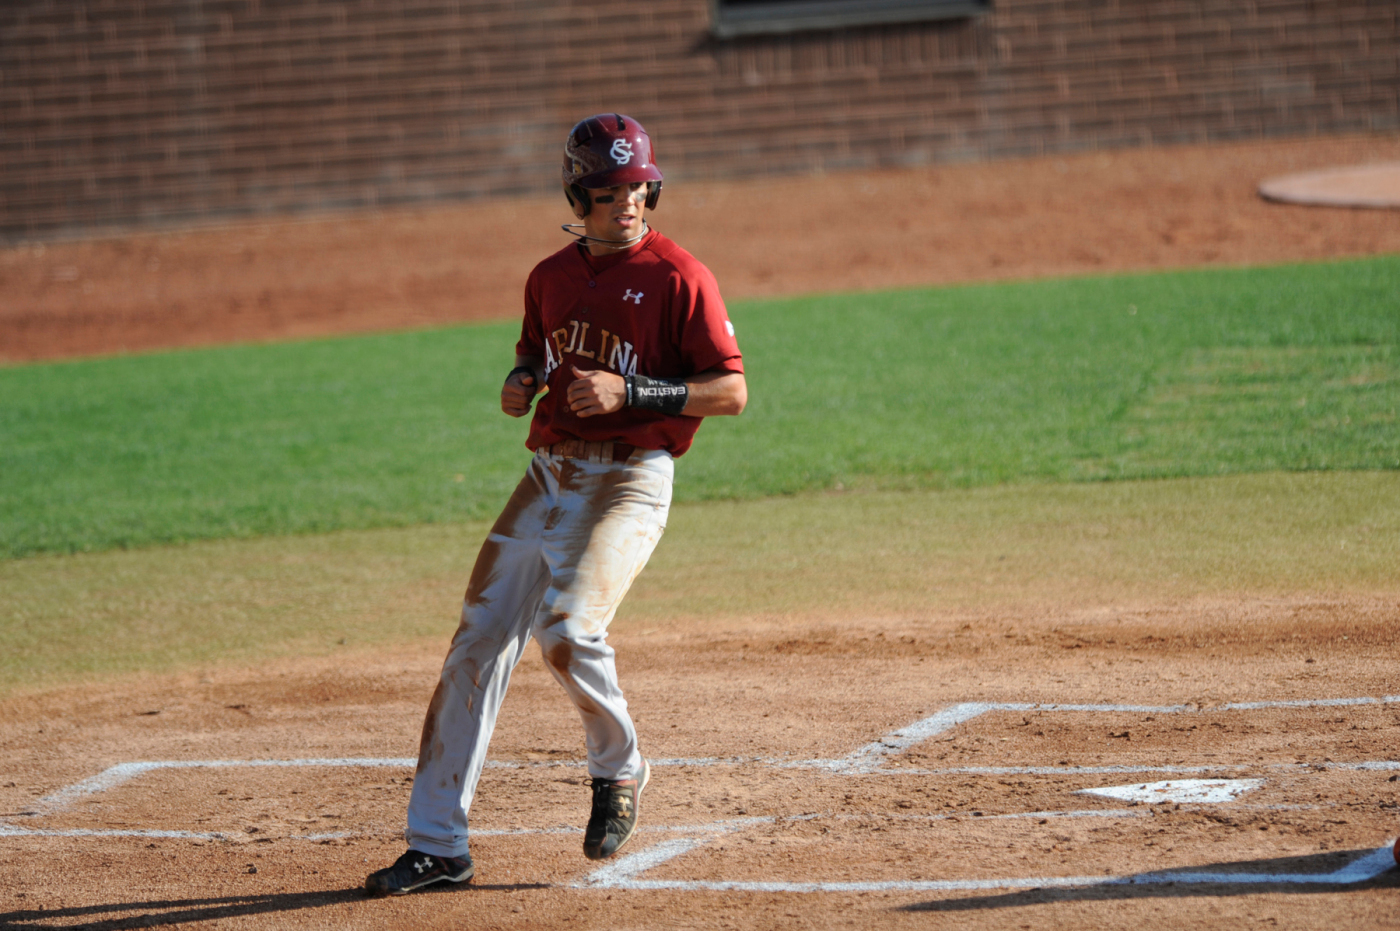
(420, 867)
(621, 151)
(634, 298)
(624, 806)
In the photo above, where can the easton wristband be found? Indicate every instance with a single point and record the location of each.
(667, 395)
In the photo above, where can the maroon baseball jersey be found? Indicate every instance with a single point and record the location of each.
(651, 310)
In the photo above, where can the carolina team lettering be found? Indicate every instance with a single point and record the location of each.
(610, 349)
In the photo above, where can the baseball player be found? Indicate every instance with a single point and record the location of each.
(625, 346)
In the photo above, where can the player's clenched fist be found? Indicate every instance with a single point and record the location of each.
(594, 393)
(518, 391)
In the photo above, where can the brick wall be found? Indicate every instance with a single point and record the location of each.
(124, 113)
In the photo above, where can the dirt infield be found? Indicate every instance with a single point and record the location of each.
(924, 771)
(1097, 212)
(908, 774)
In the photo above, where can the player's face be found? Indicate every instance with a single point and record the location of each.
(617, 211)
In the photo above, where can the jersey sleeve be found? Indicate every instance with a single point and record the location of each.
(707, 340)
(532, 329)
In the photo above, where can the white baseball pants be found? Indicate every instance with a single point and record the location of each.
(555, 566)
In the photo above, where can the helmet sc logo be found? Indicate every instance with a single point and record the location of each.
(621, 151)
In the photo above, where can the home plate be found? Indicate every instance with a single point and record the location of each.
(1179, 790)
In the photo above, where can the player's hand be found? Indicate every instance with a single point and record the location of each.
(517, 393)
(593, 393)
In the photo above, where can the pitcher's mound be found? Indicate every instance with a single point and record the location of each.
(1375, 185)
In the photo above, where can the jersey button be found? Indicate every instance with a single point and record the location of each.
(593, 284)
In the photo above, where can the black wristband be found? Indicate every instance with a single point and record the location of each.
(528, 370)
(667, 395)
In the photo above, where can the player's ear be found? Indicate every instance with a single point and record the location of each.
(578, 199)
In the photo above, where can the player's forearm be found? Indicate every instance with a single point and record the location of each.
(715, 394)
(709, 394)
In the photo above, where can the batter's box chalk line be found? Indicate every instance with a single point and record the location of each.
(626, 873)
(868, 760)
(871, 757)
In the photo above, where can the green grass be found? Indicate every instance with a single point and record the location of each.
(852, 555)
(291, 438)
(1188, 373)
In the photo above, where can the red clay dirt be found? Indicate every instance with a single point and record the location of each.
(748, 723)
(1069, 215)
(732, 719)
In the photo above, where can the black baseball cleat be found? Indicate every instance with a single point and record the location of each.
(614, 817)
(416, 869)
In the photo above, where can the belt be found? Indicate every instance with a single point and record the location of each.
(606, 452)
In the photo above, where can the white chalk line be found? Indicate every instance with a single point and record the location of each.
(118, 775)
(122, 773)
(1142, 811)
(866, 760)
(624, 876)
(1321, 766)
(618, 875)
(871, 757)
(13, 830)
(9, 830)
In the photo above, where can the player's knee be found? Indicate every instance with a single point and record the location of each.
(560, 634)
(552, 631)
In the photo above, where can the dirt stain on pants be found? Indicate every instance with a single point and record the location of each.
(555, 567)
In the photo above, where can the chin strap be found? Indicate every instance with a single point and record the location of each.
(612, 244)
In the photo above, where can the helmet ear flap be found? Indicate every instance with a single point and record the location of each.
(578, 199)
(653, 194)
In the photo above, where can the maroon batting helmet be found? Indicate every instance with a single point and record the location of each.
(606, 150)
